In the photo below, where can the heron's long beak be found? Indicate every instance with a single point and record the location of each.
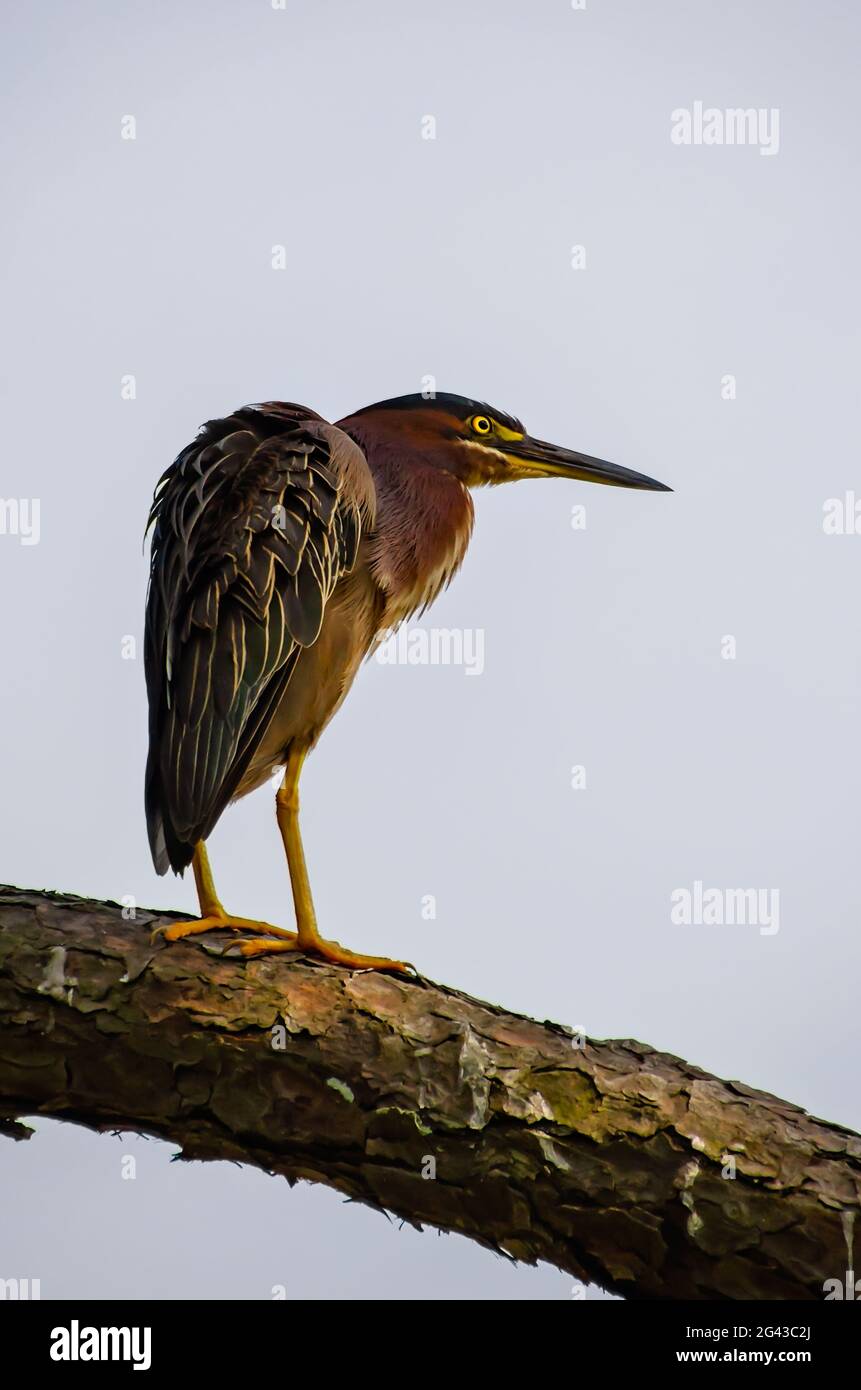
(549, 460)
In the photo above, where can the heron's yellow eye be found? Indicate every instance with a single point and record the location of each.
(481, 424)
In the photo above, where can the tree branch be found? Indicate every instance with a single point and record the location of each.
(604, 1159)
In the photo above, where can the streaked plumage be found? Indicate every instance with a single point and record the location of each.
(254, 525)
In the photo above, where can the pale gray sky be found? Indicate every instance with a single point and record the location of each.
(452, 257)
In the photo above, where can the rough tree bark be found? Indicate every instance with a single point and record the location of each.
(604, 1159)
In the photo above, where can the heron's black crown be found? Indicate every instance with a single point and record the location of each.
(446, 401)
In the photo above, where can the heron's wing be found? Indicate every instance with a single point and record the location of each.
(253, 525)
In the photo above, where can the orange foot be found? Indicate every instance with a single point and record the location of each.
(218, 921)
(331, 951)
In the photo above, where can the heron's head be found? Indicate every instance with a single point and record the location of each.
(479, 444)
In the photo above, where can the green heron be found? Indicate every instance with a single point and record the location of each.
(282, 547)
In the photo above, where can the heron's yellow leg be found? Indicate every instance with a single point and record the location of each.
(214, 917)
(309, 938)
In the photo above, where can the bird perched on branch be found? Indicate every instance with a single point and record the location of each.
(282, 547)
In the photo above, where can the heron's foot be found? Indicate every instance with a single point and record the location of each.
(331, 951)
(220, 921)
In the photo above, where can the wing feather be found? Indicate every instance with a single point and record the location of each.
(253, 525)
